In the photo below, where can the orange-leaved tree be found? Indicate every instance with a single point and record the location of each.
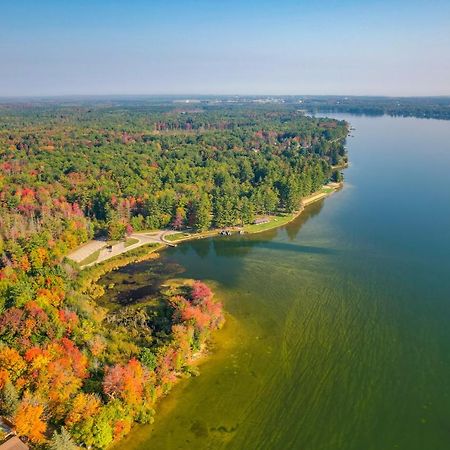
(29, 419)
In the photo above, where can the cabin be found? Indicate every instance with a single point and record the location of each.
(14, 443)
(261, 220)
(9, 438)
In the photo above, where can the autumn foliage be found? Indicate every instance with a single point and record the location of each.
(69, 173)
(60, 368)
(29, 420)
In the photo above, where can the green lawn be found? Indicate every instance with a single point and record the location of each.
(275, 221)
(130, 241)
(90, 259)
(176, 236)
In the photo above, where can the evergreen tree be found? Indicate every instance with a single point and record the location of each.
(62, 441)
(246, 211)
(200, 214)
(290, 194)
(9, 399)
(337, 176)
(270, 200)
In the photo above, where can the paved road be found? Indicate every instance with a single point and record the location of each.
(85, 250)
(91, 247)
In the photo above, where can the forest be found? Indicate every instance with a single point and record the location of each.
(72, 373)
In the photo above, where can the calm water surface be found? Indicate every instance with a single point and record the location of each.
(338, 332)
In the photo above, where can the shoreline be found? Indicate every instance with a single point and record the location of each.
(88, 279)
(163, 243)
(325, 192)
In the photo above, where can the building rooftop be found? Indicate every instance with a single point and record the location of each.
(14, 443)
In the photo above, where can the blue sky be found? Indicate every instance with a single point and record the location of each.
(56, 47)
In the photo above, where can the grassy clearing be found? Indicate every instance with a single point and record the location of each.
(275, 221)
(176, 236)
(90, 259)
(130, 241)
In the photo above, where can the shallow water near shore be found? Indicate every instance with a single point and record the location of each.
(337, 335)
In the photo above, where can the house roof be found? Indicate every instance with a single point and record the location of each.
(14, 444)
(5, 426)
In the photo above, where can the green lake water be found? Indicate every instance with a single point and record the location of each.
(338, 327)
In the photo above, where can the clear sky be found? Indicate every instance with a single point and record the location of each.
(373, 47)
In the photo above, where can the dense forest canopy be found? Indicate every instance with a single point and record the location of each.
(72, 372)
(132, 167)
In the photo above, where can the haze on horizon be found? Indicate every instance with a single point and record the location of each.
(111, 47)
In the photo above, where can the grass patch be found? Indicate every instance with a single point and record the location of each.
(130, 241)
(176, 236)
(90, 259)
(275, 221)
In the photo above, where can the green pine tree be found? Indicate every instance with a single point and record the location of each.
(9, 399)
(62, 441)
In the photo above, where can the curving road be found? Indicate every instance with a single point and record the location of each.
(143, 238)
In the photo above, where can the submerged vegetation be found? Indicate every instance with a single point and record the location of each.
(71, 370)
(67, 362)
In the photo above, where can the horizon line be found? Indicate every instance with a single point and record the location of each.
(192, 95)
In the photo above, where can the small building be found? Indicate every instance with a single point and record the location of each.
(6, 428)
(261, 220)
(11, 441)
(14, 443)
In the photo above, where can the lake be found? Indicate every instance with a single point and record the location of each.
(338, 333)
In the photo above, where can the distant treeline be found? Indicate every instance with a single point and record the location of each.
(130, 167)
(421, 107)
